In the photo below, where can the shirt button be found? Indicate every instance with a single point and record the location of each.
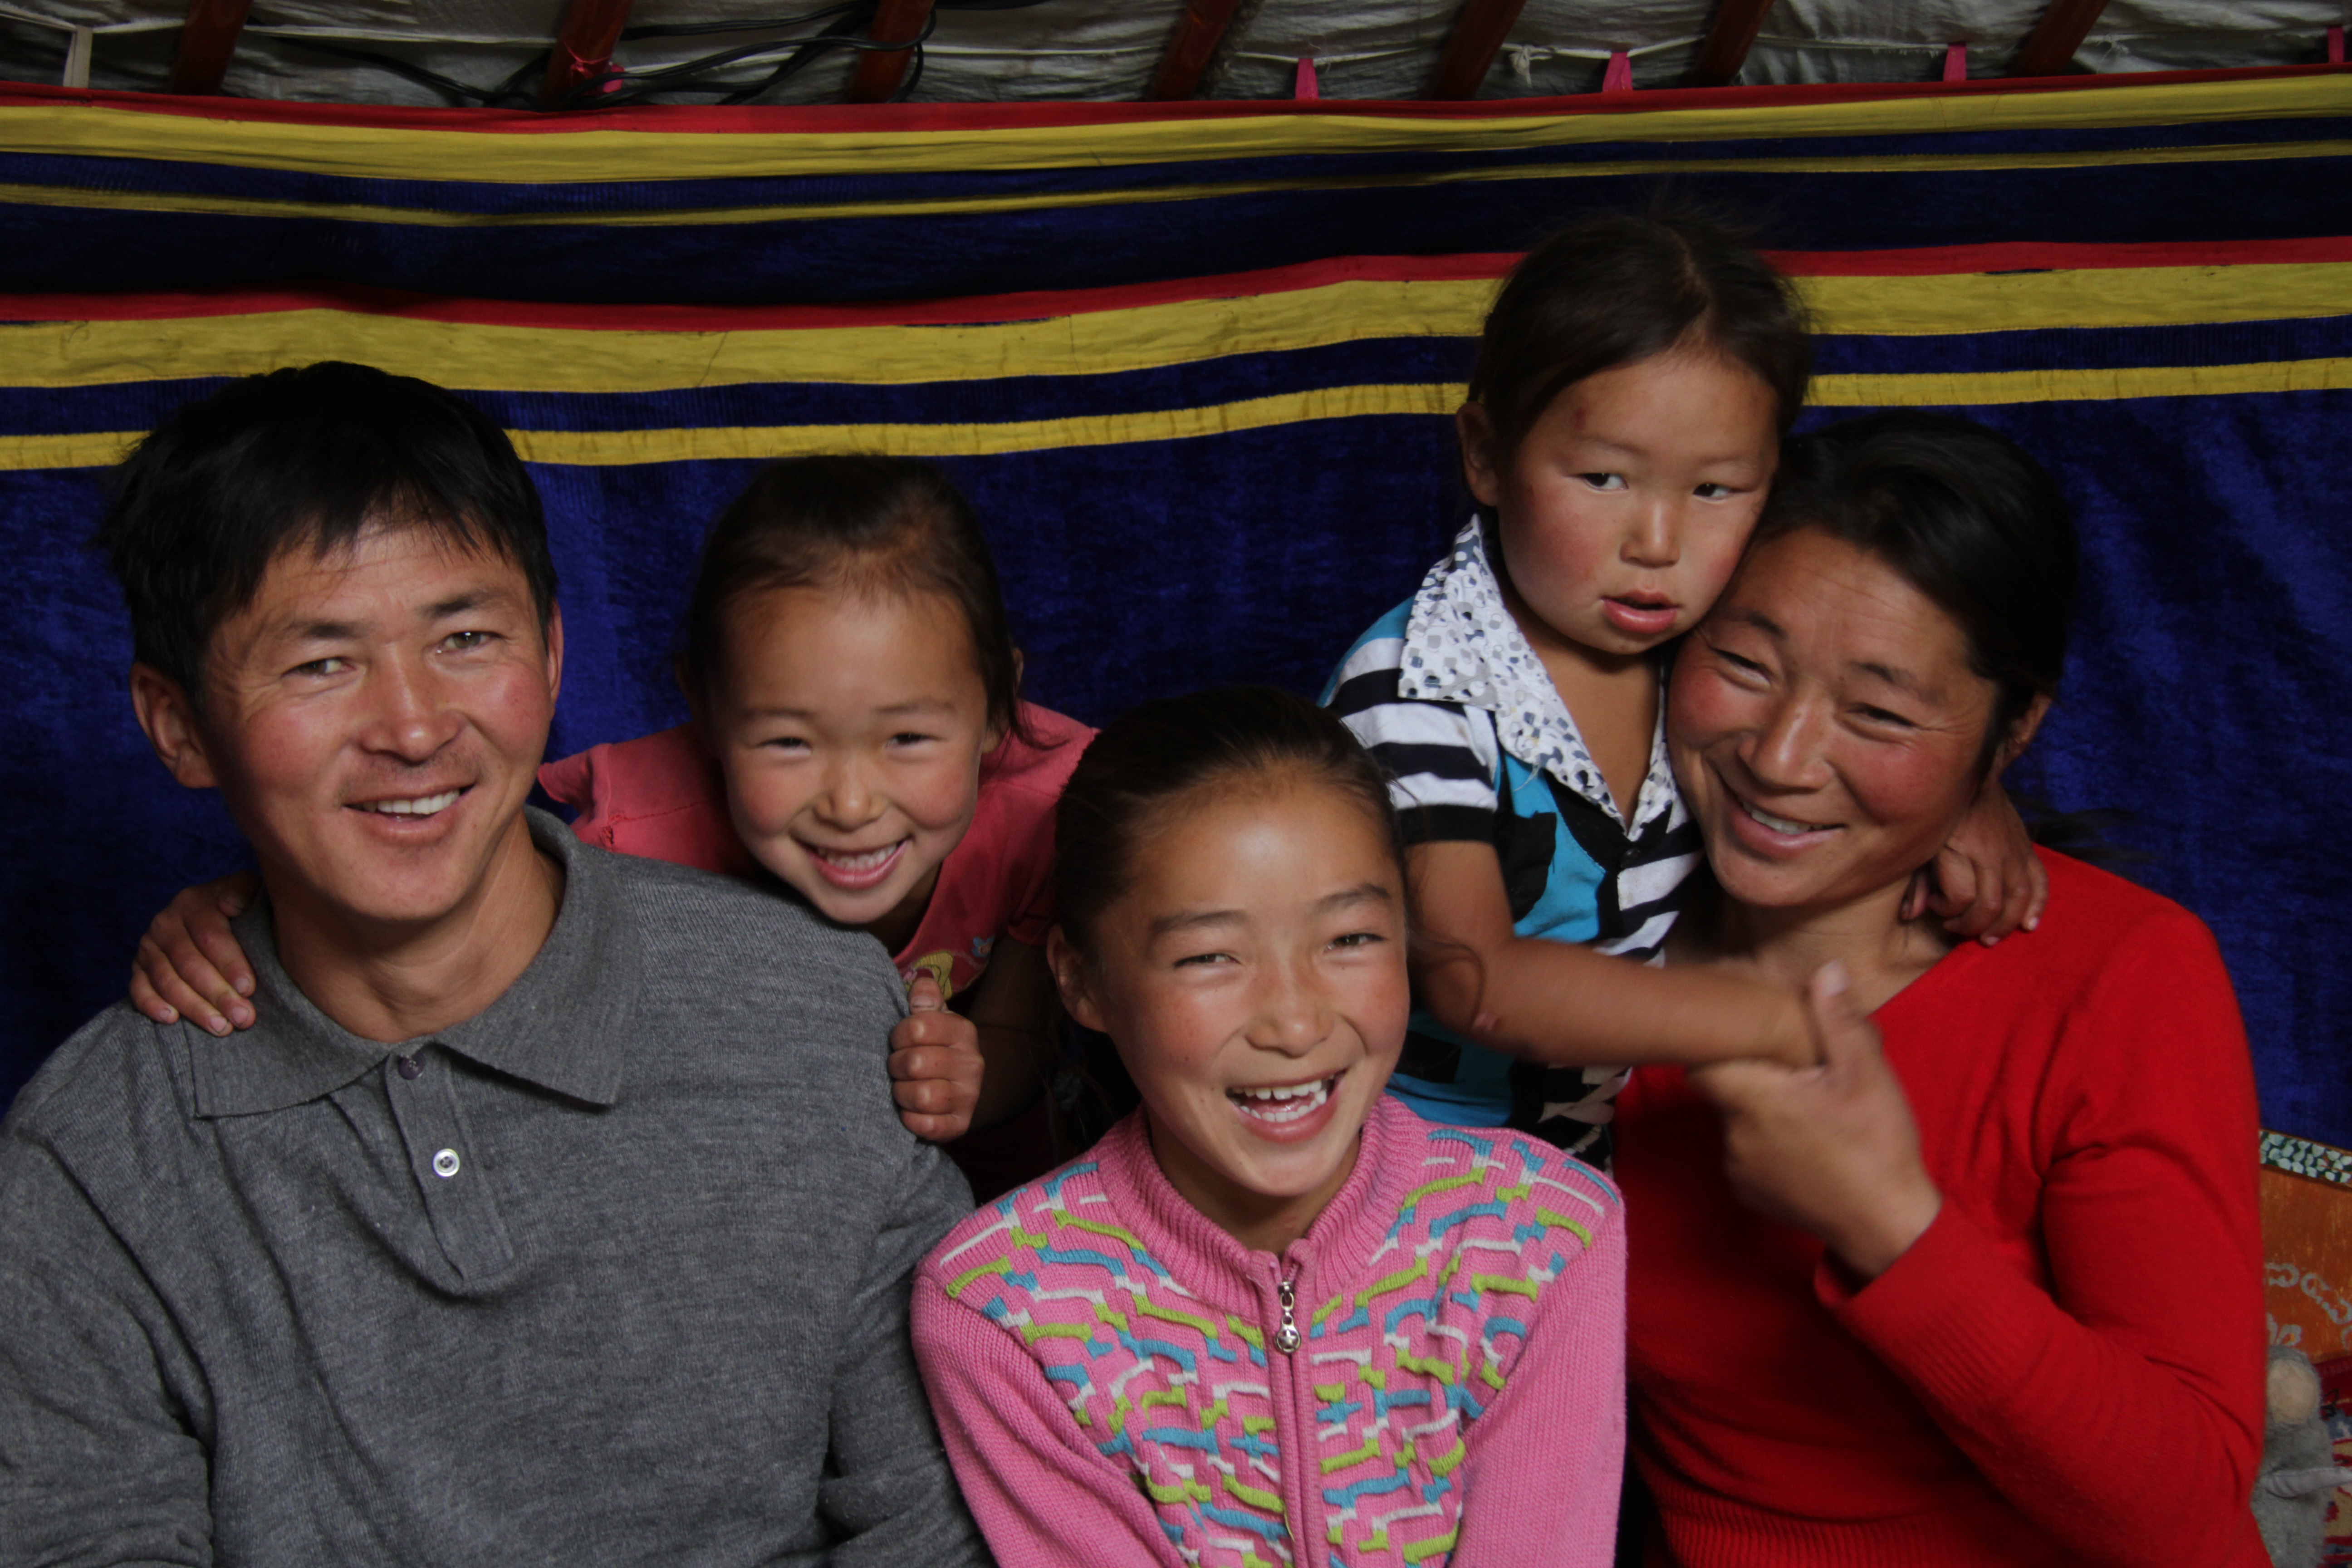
(409, 1065)
(445, 1164)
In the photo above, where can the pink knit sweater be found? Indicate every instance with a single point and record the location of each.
(1434, 1372)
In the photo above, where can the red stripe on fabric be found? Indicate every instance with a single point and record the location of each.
(716, 120)
(986, 310)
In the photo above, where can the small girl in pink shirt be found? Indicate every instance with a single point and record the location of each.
(1272, 1317)
(858, 736)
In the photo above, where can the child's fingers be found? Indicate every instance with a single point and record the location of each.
(158, 988)
(208, 963)
(1915, 895)
(929, 1096)
(2037, 880)
(1734, 1085)
(923, 996)
(234, 894)
(935, 1129)
(1988, 896)
(1846, 1034)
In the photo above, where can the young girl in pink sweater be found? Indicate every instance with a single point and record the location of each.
(1274, 1316)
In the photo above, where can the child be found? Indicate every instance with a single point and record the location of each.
(1634, 382)
(857, 733)
(1274, 1316)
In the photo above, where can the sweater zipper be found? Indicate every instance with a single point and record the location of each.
(1285, 1338)
(1294, 1404)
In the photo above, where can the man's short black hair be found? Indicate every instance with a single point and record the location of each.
(303, 457)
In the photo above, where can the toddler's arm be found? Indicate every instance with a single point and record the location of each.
(190, 966)
(1986, 881)
(1565, 1005)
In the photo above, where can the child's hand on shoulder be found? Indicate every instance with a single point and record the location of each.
(935, 1066)
(1986, 882)
(190, 966)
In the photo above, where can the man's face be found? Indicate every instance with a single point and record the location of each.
(374, 719)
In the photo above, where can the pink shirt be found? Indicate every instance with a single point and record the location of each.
(1110, 1373)
(662, 796)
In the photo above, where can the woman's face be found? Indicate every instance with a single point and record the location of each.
(1825, 726)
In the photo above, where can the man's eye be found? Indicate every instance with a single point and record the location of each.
(459, 642)
(1605, 481)
(331, 665)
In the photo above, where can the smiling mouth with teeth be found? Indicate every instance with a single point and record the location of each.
(1291, 1102)
(416, 806)
(1786, 825)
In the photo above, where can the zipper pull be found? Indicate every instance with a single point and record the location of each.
(1285, 1338)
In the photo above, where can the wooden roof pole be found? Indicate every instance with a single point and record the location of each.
(583, 46)
(1199, 28)
(1471, 47)
(206, 41)
(1729, 39)
(2055, 37)
(879, 71)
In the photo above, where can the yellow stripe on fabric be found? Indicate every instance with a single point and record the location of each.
(606, 447)
(479, 357)
(85, 198)
(474, 357)
(602, 449)
(1991, 386)
(382, 153)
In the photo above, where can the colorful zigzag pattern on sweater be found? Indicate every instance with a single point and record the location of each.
(1398, 1363)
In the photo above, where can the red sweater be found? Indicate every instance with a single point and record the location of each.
(2065, 1368)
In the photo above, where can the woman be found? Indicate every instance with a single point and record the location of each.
(2003, 1303)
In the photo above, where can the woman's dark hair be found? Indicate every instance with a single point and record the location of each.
(891, 525)
(1611, 290)
(1966, 517)
(305, 457)
(1151, 758)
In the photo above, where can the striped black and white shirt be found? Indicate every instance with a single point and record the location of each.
(1450, 698)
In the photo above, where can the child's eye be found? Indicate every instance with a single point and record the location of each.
(1190, 960)
(1712, 492)
(1356, 939)
(784, 743)
(1605, 481)
(910, 738)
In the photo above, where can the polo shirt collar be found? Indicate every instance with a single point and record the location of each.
(563, 1025)
(1461, 645)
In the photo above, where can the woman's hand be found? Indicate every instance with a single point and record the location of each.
(935, 1066)
(1830, 1149)
(190, 966)
(1986, 881)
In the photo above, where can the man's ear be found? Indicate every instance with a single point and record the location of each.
(170, 720)
(2022, 733)
(554, 652)
(1069, 967)
(1482, 467)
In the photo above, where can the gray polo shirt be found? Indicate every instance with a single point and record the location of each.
(615, 1271)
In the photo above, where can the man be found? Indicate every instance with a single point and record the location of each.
(556, 1208)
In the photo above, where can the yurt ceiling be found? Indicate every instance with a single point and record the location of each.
(445, 52)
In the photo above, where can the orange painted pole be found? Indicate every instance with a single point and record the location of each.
(583, 46)
(1729, 39)
(207, 39)
(1198, 30)
(2048, 49)
(879, 71)
(1471, 47)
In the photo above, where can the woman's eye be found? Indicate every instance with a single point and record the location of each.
(1605, 481)
(1880, 716)
(1739, 665)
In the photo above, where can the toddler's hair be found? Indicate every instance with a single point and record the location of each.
(1965, 516)
(865, 523)
(1145, 763)
(1611, 290)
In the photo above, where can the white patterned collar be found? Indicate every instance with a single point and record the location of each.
(1461, 645)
